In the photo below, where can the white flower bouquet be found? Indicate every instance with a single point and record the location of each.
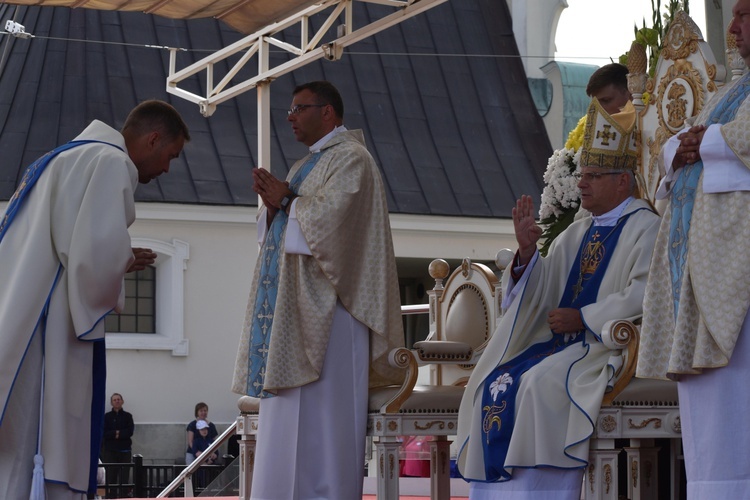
(561, 196)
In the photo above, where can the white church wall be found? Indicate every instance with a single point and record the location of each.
(157, 385)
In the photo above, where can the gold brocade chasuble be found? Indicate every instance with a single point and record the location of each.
(343, 214)
(715, 292)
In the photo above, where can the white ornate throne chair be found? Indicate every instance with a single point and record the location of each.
(641, 410)
(463, 313)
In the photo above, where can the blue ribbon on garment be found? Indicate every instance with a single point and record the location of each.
(684, 188)
(30, 176)
(267, 290)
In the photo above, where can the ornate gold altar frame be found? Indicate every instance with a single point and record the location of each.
(686, 77)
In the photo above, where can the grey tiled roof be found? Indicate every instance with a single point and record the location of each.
(453, 135)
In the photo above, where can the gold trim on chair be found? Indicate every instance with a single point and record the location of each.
(402, 358)
(624, 332)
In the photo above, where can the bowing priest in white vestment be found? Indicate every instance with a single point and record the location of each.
(531, 402)
(696, 325)
(324, 310)
(64, 250)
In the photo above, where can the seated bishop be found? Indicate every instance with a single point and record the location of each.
(532, 400)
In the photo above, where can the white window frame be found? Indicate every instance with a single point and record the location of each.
(170, 264)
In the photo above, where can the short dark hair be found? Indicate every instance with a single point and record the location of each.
(156, 115)
(610, 74)
(199, 406)
(326, 92)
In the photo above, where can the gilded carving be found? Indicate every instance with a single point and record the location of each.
(591, 477)
(379, 426)
(451, 425)
(622, 332)
(654, 147)
(607, 478)
(711, 73)
(679, 96)
(677, 106)
(677, 425)
(650, 84)
(678, 92)
(392, 426)
(440, 424)
(391, 460)
(682, 38)
(608, 423)
(648, 466)
(254, 426)
(382, 467)
(656, 421)
(466, 268)
(634, 473)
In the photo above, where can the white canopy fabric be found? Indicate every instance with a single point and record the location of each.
(246, 16)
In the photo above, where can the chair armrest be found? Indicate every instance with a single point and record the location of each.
(443, 351)
(621, 335)
(402, 357)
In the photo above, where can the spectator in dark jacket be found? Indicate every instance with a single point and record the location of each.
(117, 443)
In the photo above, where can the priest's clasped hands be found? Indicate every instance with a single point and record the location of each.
(270, 189)
(689, 150)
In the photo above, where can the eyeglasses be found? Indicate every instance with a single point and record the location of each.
(297, 109)
(593, 176)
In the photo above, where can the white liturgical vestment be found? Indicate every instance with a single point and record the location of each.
(69, 242)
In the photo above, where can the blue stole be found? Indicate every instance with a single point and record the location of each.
(267, 289)
(30, 176)
(683, 191)
(501, 386)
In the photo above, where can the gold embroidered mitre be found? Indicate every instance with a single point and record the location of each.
(609, 141)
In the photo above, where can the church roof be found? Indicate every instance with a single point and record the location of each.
(454, 133)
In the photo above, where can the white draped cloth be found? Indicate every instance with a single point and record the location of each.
(311, 439)
(75, 219)
(713, 408)
(558, 399)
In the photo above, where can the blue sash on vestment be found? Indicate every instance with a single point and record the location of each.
(267, 289)
(501, 386)
(682, 196)
(30, 176)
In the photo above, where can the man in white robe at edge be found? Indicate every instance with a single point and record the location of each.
(64, 251)
(324, 309)
(528, 409)
(695, 315)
